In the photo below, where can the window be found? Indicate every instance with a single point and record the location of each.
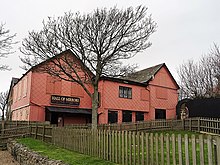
(127, 116)
(112, 116)
(139, 116)
(160, 114)
(125, 92)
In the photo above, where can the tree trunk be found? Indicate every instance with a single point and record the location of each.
(3, 114)
(95, 104)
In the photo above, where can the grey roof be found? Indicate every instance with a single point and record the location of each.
(145, 75)
(14, 81)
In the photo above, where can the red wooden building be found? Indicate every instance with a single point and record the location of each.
(148, 94)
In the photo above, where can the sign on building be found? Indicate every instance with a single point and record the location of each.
(65, 100)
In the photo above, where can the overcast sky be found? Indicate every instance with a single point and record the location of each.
(186, 28)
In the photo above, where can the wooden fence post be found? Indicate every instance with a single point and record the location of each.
(193, 141)
(30, 130)
(186, 149)
(183, 124)
(190, 124)
(209, 145)
(3, 127)
(198, 124)
(174, 148)
(180, 149)
(201, 148)
(36, 131)
(218, 126)
(218, 150)
(43, 134)
(171, 123)
(167, 148)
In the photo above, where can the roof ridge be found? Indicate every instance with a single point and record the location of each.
(151, 67)
(145, 75)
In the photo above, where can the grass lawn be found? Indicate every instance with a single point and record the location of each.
(57, 153)
(153, 151)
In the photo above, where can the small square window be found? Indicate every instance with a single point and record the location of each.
(125, 92)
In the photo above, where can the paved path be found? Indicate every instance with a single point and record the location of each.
(7, 159)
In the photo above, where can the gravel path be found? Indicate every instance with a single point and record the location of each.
(7, 159)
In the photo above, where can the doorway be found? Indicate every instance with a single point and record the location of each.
(112, 116)
(54, 118)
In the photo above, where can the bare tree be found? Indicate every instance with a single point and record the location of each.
(201, 79)
(100, 40)
(3, 103)
(188, 74)
(215, 58)
(6, 42)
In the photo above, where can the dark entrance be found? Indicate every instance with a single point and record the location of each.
(112, 116)
(139, 116)
(54, 118)
(160, 114)
(127, 116)
(61, 116)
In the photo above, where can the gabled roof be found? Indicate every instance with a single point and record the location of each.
(68, 51)
(13, 82)
(145, 75)
(52, 58)
(122, 80)
(140, 78)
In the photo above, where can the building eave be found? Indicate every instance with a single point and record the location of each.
(124, 81)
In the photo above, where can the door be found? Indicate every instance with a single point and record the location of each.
(54, 118)
(112, 116)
